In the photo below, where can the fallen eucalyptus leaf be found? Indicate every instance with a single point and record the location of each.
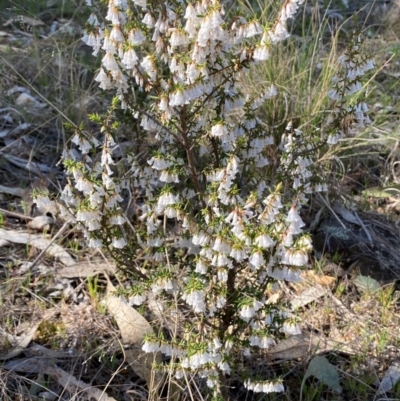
(366, 284)
(25, 20)
(324, 280)
(15, 191)
(306, 344)
(4, 133)
(346, 214)
(274, 298)
(74, 386)
(392, 376)
(29, 103)
(85, 269)
(325, 372)
(380, 192)
(41, 223)
(38, 241)
(19, 343)
(309, 295)
(65, 379)
(29, 165)
(133, 327)
(26, 365)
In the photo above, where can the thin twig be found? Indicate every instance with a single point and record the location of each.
(17, 215)
(61, 230)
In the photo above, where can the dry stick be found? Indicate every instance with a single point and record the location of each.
(62, 229)
(17, 215)
(189, 154)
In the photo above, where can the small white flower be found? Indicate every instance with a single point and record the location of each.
(290, 328)
(238, 254)
(295, 221)
(224, 366)
(159, 164)
(266, 342)
(221, 246)
(261, 53)
(95, 243)
(196, 300)
(93, 225)
(211, 382)
(136, 37)
(178, 38)
(166, 199)
(118, 243)
(104, 80)
(246, 312)
(171, 212)
(295, 257)
(109, 62)
(117, 219)
(177, 98)
(216, 343)
(200, 239)
(149, 67)
(252, 29)
(201, 267)
(149, 346)
(167, 176)
(137, 299)
(222, 275)
(264, 241)
(130, 59)
(270, 387)
(254, 341)
(257, 259)
(148, 21)
(219, 131)
(279, 33)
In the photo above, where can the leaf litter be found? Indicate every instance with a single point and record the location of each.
(342, 335)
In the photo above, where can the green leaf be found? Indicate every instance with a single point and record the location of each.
(380, 192)
(366, 284)
(325, 372)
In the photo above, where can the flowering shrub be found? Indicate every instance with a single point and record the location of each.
(219, 199)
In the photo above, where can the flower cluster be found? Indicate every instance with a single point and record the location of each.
(219, 223)
(347, 118)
